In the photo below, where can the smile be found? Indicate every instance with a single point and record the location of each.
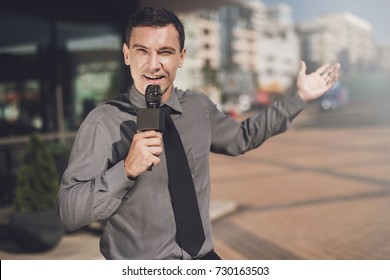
(154, 78)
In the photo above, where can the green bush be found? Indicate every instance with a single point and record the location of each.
(37, 179)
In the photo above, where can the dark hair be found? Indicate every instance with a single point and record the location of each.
(149, 16)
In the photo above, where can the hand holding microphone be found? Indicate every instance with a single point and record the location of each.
(146, 146)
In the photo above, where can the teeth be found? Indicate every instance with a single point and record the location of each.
(153, 77)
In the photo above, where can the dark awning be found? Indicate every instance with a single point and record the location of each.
(96, 11)
(185, 6)
(100, 11)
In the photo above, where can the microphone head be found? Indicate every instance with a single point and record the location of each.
(153, 96)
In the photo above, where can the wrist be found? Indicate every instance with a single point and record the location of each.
(128, 174)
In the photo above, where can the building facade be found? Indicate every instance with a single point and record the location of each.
(240, 50)
(280, 50)
(202, 44)
(338, 37)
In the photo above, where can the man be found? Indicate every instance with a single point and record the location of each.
(108, 179)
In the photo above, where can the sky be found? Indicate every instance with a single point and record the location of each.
(376, 12)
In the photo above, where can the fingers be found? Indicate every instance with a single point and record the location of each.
(329, 74)
(331, 78)
(322, 69)
(327, 69)
(332, 74)
(149, 143)
(144, 152)
(148, 140)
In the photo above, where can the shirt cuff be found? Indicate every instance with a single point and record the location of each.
(294, 104)
(117, 181)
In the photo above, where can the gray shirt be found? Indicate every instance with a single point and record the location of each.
(137, 216)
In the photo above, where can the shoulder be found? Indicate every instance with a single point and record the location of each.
(100, 113)
(188, 95)
(197, 102)
(106, 116)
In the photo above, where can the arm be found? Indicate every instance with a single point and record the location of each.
(89, 191)
(232, 138)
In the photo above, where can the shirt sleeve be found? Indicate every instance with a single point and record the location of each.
(90, 191)
(234, 138)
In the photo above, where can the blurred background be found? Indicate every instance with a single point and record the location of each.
(321, 191)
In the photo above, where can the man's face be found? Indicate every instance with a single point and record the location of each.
(154, 56)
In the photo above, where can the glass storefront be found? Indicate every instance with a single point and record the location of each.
(81, 62)
(52, 73)
(95, 71)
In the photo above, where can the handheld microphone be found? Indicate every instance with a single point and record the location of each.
(153, 96)
(151, 118)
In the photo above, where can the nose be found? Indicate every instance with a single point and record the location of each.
(154, 61)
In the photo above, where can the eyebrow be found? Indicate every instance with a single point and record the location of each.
(138, 46)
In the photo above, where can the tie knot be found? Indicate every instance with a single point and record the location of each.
(166, 109)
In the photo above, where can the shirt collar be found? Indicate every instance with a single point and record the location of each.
(137, 100)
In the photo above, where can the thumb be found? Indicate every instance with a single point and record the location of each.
(302, 71)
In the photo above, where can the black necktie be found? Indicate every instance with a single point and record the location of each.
(189, 227)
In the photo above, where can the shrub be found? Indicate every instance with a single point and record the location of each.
(37, 180)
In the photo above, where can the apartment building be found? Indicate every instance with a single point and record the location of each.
(241, 48)
(279, 51)
(340, 37)
(203, 49)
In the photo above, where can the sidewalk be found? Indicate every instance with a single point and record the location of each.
(84, 244)
(313, 193)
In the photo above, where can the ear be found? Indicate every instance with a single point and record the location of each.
(182, 57)
(126, 56)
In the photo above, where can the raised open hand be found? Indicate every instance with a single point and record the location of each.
(313, 85)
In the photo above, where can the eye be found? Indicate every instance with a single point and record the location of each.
(142, 51)
(166, 52)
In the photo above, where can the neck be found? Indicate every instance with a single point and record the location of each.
(166, 94)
